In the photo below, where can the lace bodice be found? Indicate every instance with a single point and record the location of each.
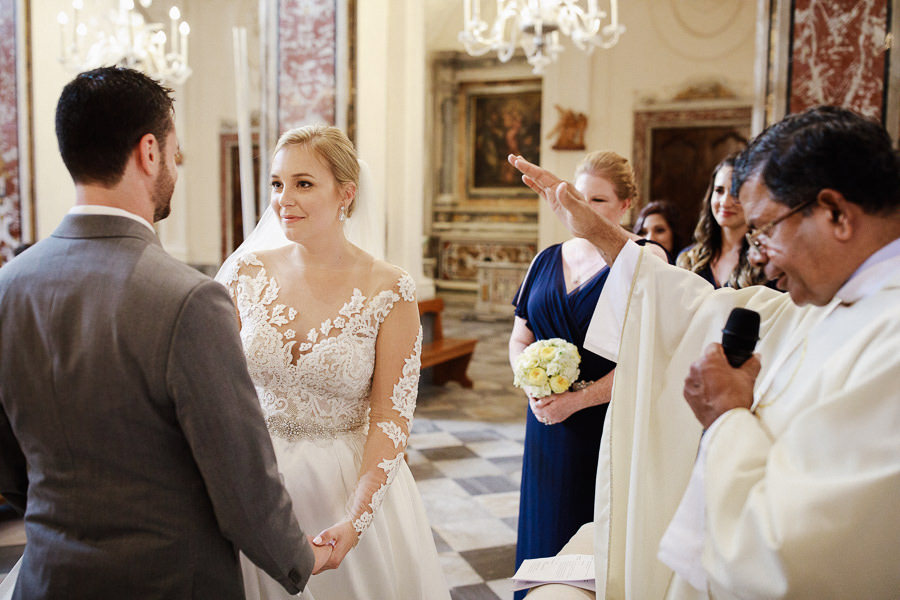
(359, 366)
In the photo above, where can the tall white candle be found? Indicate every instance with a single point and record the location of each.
(62, 18)
(242, 87)
(184, 29)
(174, 15)
(77, 6)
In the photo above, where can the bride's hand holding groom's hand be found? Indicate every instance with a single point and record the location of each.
(340, 538)
(321, 552)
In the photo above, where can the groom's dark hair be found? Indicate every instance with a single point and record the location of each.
(100, 117)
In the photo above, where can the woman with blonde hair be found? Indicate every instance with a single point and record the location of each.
(332, 339)
(562, 431)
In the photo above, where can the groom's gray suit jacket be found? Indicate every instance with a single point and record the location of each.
(130, 431)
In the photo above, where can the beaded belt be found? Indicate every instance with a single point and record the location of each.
(289, 429)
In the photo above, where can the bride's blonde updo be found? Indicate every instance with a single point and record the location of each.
(332, 145)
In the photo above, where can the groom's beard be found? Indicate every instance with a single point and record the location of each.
(162, 194)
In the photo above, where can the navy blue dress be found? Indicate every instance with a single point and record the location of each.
(559, 468)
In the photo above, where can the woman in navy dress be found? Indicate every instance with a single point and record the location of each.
(562, 433)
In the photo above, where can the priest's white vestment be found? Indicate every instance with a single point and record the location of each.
(800, 497)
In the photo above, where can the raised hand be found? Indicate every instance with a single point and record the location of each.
(341, 538)
(572, 209)
(566, 202)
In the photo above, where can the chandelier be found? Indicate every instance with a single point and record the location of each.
(125, 38)
(536, 25)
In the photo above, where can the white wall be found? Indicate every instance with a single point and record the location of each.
(391, 121)
(54, 191)
(192, 232)
(666, 47)
(206, 101)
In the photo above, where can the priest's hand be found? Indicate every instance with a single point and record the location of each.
(573, 209)
(566, 202)
(713, 387)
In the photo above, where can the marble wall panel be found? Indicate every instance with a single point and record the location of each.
(838, 55)
(458, 260)
(307, 31)
(10, 199)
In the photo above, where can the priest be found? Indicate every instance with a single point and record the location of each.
(778, 478)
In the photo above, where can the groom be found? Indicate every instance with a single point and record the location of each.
(130, 432)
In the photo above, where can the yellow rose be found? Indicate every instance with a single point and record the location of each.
(535, 376)
(548, 352)
(559, 384)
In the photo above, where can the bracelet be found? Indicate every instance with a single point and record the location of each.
(581, 384)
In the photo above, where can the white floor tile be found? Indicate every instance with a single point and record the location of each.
(501, 505)
(457, 570)
(496, 448)
(466, 467)
(473, 534)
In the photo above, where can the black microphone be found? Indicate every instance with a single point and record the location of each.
(740, 335)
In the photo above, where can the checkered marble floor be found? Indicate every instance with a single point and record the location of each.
(465, 452)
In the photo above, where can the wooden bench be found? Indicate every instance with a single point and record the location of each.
(449, 356)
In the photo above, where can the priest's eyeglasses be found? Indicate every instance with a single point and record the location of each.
(756, 237)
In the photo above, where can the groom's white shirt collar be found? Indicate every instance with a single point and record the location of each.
(96, 209)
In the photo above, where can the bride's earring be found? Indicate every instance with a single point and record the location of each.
(342, 216)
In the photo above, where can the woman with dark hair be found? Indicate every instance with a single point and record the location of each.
(656, 222)
(719, 252)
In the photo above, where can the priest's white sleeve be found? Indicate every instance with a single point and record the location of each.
(604, 333)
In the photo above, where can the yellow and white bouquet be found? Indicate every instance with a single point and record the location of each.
(547, 367)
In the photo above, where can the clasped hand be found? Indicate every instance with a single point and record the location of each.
(713, 387)
(556, 408)
(332, 545)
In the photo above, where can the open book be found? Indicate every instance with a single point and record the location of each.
(571, 569)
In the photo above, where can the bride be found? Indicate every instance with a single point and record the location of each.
(332, 339)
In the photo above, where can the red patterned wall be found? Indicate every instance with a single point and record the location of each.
(10, 201)
(306, 60)
(838, 55)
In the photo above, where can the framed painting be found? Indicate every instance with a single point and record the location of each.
(230, 188)
(500, 119)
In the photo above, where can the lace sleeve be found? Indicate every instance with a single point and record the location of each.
(391, 402)
(234, 280)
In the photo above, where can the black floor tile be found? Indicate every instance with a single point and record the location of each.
(487, 484)
(424, 471)
(479, 591)
(448, 453)
(492, 563)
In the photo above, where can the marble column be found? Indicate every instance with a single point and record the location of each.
(829, 52)
(10, 177)
(307, 38)
(391, 122)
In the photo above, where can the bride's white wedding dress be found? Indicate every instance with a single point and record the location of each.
(338, 399)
